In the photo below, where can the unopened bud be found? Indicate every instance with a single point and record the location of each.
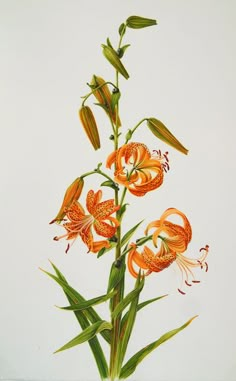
(114, 60)
(72, 194)
(90, 126)
(162, 132)
(137, 22)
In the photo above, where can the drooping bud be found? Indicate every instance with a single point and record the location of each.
(114, 60)
(162, 132)
(137, 22)
(72, 194)
(104, 97)
(90, 126)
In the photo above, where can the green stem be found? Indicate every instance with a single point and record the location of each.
(98, 172)
(134, 129)
(120, 287)
(97, 88)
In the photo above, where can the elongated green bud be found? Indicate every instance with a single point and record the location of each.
(114, 60)
(161, 131)
(72, 194)
(137, 22)
(90, 126)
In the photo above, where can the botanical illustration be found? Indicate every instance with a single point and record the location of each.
(131, 170)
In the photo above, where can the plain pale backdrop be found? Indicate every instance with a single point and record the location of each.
(182, 72)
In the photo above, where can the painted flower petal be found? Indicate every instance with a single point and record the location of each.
(104, 229)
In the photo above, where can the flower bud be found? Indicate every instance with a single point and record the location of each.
(137, 22)
(104, 97)
(114, 60)
(90, 126)
(161, 132)
(72, 194)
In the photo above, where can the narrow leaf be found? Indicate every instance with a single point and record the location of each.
(116, 273)
(129, 234)
(94, 342)
(133, 362)
(115, 99)
(127, 300)
(86, 335)
(105, 250)
(110, 184)
(76, 297)
(123, 49)
(88, 303)
(139, 307)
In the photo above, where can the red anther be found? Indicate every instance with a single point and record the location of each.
(164, 168)
(167, 153)
(166, 157)
(56, 238)
(168, 167)
(52, 222)
(68, 246)
(188, 284)
(200, 263)
(183, 293)
(159, 151)
(206, 266)
(207, 247)
(57, 219)
(196, 281)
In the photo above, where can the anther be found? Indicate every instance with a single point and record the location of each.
(56, 238)
(206, 264)
(200, 263)
(188, 284)
(68, 246)
(181, 292)
(196, 281)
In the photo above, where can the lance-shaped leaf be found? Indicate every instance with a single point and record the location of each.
(89, 303)
(121, 51)
(110, 184)
(105, 250)
(84, 323)
(161, 131)
(139, 307)
(127, 300)
(90, 126)
(115, 99)
(114, 60)
(76, 297)
(129, 234)
(138, 22)
(116, 274)
(133, 362)
(86, 335)
(126, 333)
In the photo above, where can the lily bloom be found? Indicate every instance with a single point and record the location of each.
(80, 224)
(174, 240)
(136, 169)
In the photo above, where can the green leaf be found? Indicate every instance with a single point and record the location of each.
(115, 96)
(110, 184)
(109, 43)
(76, 297)
(86, 335)
(129, 234)
(114, 60)
(127, 330)
(116, 274)
(127, 300)
(123, 49)
(133, 362)
(88, 303)
(105, 250)
(139, 307)
(121, 211)
(84, 323)
(122, 29)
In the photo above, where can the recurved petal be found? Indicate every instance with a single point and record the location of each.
(104, 209)
(111, 159)
(103, 229)
(93, 198)
(186, 223)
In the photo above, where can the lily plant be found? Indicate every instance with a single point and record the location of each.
(132, 170)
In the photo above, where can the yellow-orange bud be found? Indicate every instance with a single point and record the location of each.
(103, 95)
(90, 126)
(72, 194)
(162, 132)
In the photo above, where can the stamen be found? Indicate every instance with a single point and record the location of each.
(196, 281)
(166, 157)
(206, 264)
(56, 238)
(67, 249)
(200, 263)
(56, 220)
(181, 292)
(188, 284)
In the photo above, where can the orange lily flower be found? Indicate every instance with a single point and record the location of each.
(137, 169)
(174, 242)
(80, 224)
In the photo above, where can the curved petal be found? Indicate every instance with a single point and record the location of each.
(93, 198)
(104, 209)
(186, 223)
(104, 229)
(111, 159)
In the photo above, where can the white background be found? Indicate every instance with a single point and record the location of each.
(182, 72)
